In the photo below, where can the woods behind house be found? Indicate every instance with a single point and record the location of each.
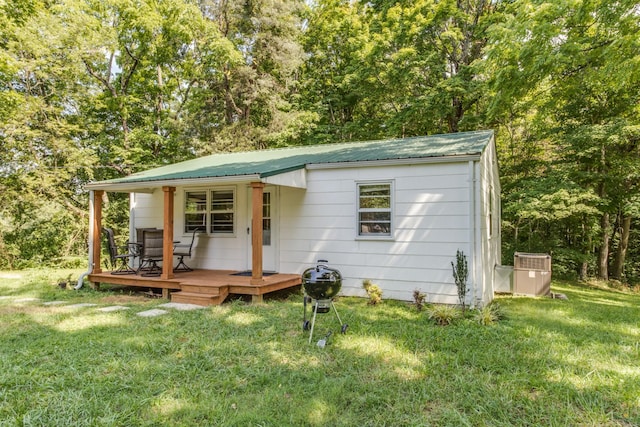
(97, 89)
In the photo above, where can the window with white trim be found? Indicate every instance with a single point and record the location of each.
(374, 209)
(195, 210)
(222, 211)
(212, 210)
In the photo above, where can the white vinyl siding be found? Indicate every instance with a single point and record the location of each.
(435, 210)
(429, 223)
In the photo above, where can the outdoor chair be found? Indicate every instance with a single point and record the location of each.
(119, 261)
(138, 246)
(183, 250)
(151, 252)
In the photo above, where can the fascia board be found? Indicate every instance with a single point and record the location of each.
(396, 162)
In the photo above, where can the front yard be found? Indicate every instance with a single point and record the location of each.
(550, 362)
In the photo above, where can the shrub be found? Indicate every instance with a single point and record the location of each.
(489, 314)
(373, 291)
(460, 275)
(419, 299)
(442, 314)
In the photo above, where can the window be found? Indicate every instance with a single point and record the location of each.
(266, 219)
(222, 211)
(374, 209)
(212, 210)
(195, 210)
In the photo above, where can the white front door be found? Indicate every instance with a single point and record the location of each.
(269, 229)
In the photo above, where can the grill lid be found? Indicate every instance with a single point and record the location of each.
(321, 281)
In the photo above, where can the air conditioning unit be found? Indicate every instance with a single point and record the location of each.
(531, 274)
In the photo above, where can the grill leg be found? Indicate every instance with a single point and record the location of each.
(313, 322)
(336, 311)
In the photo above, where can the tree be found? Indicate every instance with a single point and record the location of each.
(147, 60)
(574, 65)
(42, 156)
(250, 100)
(384, 69)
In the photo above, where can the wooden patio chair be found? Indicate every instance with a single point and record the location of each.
(182, 250)
(119, 261)
(151, 252)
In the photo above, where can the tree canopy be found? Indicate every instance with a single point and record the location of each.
(96, 89)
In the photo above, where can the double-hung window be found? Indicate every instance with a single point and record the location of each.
(195, 211)
(212, 210)
(375, 209)
(222, 211)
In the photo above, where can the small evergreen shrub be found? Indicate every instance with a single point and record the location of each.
(460, 275)
(373, 291)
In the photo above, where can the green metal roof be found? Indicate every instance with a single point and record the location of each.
(267, 163)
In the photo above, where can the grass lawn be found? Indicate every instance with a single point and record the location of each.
(550, 362)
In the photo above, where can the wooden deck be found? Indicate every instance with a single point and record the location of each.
(202, 287)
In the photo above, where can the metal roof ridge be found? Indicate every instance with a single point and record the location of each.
(344, 143)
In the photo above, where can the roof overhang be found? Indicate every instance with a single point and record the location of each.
(296, 178)
(151, 186)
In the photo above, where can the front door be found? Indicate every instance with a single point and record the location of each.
(269, 229)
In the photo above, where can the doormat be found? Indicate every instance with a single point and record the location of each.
(247, 273)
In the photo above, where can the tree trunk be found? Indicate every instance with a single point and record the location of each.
(621, 253)
(584, 270)
(603, 253)
(456, 115)
(159, 102)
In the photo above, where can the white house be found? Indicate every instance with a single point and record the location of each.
(392, 211)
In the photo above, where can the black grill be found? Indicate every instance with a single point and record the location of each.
(321, 284)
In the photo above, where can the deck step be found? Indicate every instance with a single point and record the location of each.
(201, 289)
(195, 298)
(200, 298)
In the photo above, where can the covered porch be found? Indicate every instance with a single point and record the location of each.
(203, 287)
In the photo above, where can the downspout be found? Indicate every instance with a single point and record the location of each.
(472, 229)
(91, 237)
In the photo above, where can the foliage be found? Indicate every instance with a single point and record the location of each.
(443, 314)
(569, 66)
(94, 90)
(419, 299)
(460, 276)
(373, 292)
(489, 314)
(97, 90)
(558, 362)
(386, 69)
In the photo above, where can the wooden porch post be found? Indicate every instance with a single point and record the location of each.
(97, 229)
(167, 236)
(256, 233)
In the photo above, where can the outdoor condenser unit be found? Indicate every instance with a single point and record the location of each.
(531, 274)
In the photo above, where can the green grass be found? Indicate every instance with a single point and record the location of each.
(549, 362)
